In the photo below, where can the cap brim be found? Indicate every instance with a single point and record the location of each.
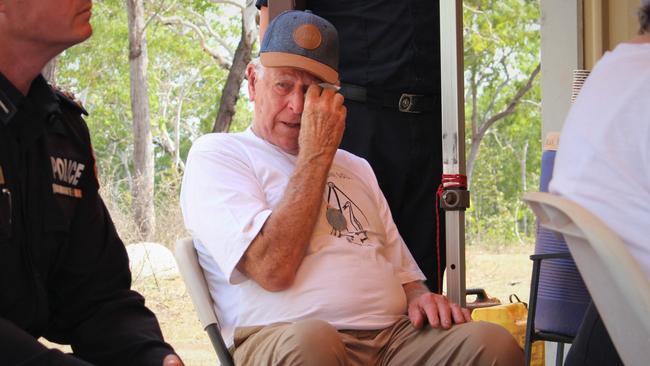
(281, 59)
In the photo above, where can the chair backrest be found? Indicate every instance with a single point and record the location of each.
(192, 273)
(562, 297)
(618, 286)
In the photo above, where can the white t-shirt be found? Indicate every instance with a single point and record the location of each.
(355, 264)
(603, 161)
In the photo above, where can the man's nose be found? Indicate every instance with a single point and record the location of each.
(297, 102)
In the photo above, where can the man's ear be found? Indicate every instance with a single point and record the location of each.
(252, 79)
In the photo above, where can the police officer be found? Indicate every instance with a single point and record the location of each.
(390, 77)
(63, 270)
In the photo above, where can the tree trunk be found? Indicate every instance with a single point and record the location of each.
(49, 71)
(471, 160)
(177, 133)
(481, 127)
(143, 180)
(230, 92)
(524, 183)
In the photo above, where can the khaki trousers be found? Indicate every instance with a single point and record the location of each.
(317, 343)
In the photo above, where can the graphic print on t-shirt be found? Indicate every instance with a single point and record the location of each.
(345, 216)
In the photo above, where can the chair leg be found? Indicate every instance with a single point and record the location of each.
(225, 358)
(559, 355)
(530, 323)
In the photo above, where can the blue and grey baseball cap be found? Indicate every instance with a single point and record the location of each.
(302, 40)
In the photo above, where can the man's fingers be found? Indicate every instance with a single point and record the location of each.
(467, 314)
(438, 310)
(339, 99)
(430, 307)
(172, 360)
(313, 92)
(457, 314)
(444, 311)
(327, 91)
(416, 317)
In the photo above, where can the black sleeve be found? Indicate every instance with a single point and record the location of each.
(20, 348)
(96, 312)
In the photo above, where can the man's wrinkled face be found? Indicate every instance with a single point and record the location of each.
(55, 24)
(279, 96)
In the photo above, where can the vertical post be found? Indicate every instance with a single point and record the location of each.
(561, 52)
(453, 137)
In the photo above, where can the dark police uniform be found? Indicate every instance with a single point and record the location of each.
(390, 74)
(64, 271)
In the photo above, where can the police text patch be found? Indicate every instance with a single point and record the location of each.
(66, 170)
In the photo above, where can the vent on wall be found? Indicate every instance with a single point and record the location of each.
(579, 78)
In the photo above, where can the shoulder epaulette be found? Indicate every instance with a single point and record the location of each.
(69, 99)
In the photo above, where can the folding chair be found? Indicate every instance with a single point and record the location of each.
(618, 286)
(192, 274)
(532, 333)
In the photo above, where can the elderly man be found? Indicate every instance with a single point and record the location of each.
(64, 273)
(390, 77)
(296, 239)
(604, 152)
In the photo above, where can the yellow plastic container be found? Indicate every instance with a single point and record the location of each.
(512, 317)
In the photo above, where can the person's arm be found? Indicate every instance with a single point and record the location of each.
(435, 309)
(275, 254)
(93, 308)
(264, 21)
(20, 348)
(278, 7)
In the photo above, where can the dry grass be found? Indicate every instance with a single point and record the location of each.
(501, 271)
(169, 219)
(169, 300)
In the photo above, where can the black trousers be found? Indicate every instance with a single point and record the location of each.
(592, 345)
(405, 152)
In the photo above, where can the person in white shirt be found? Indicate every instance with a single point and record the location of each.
(296, 239)
(603, 164)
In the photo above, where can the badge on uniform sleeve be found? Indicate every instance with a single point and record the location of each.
(67, 174)
(66, 191)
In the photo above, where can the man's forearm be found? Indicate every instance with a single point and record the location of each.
(275, 254)
(18, 347)
(273, 258)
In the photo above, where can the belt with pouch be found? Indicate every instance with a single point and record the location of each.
(403, 102)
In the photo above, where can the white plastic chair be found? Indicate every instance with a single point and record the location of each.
(192, 273)
(618, 286)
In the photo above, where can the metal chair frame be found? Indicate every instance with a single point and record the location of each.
(532, 334)
(197, 287)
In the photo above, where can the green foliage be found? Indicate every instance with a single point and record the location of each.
(184, 84)
(502, 43)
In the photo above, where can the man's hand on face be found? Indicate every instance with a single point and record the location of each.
(172, 360)
(323, 121)
(437, 311)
